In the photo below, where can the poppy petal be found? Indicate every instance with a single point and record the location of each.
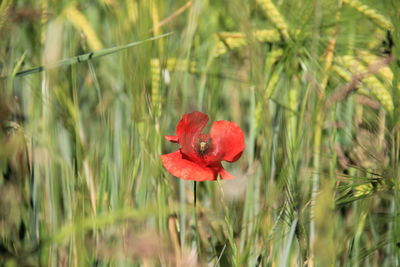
(191, 123)
(188, 129)
(185, 169)
(227, 140)
(225, 175)
(172, 138)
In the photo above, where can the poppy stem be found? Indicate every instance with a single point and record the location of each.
(196, 220)
(194, 192)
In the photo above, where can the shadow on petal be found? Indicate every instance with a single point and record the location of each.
(185, 169)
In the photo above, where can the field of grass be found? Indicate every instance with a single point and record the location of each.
(313, 84)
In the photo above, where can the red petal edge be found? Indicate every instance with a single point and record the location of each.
(225, 175)
(228, 140)
(185, 169)
(191, 123)
(172, 138)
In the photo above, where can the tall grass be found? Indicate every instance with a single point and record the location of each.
(313, 84)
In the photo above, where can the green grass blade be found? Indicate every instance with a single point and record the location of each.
(87, 56)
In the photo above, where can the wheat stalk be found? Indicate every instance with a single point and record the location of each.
(272, 12)
(371, 13)
(377, 89)
(82, 24)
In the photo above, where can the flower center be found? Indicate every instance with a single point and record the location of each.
(203, 146)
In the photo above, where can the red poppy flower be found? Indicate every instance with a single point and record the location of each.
(200, 155)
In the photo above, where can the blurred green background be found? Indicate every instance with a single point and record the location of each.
(313, 84)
